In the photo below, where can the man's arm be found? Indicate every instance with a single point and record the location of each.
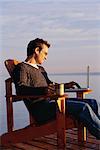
(26, 90)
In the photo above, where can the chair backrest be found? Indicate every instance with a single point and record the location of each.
(10, 65)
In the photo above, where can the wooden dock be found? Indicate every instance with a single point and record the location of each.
(50, 143)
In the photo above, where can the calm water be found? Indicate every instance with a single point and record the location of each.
(20, 111)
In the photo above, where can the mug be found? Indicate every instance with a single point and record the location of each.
(60, 89)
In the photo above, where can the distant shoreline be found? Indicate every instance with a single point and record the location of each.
(64, 74)
(74, 73)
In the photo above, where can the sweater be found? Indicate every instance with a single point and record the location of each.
(30, 81)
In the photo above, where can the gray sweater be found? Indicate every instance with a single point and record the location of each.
(30, 81)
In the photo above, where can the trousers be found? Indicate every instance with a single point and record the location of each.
(85, 111)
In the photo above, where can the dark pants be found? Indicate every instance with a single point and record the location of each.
(85, 111)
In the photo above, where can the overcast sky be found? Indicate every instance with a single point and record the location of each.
(71, 26)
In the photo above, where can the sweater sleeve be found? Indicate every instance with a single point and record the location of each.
(26, 90)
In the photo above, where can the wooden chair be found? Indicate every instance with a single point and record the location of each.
(33, 130)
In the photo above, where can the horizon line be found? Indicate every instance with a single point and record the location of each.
(75, 73)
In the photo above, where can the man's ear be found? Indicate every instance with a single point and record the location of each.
(37, 50)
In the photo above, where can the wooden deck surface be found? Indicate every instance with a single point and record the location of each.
(50, 143)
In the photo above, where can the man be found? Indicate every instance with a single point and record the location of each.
(30, 78)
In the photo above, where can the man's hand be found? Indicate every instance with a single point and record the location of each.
(71, 85)
(51, 89)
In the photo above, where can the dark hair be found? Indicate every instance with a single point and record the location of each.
(34, 44)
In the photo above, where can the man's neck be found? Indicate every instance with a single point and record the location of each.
(34, 65)
(30, 60)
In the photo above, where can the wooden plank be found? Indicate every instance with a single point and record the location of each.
(50, 143)
(24, 146)
(44, 145)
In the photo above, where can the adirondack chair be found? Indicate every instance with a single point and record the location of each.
(33, 130)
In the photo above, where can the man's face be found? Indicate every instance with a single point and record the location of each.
(42, 55)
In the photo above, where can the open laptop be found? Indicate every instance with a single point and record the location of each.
(78, 88)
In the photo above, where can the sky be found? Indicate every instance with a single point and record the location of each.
(72, 27)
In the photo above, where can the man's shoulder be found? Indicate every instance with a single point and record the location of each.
(41, 68)
(21, 66)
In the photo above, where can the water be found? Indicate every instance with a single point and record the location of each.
(20, 111)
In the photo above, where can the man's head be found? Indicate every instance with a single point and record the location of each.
(39, 49)
(37, 43)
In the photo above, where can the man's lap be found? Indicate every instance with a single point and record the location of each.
(74, 102)
(46, 110)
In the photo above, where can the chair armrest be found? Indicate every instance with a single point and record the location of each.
(16, 98)
(80, 93)
(79, 90)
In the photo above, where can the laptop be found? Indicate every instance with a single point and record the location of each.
(78, 88)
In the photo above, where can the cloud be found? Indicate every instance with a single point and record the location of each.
(67, 24)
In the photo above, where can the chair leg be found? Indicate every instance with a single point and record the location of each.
(61, 129)
(82, 133)
(61, 132)
(10, 122)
